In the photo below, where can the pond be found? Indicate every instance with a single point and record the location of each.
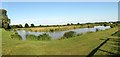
(59, 34)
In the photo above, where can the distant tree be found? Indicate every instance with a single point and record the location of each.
(14, 26)
(78, 23)
(68, 24)
(40, 25)
(26, 25)
(20, 26)
(105, 25)
(72, 24)
(32, 25)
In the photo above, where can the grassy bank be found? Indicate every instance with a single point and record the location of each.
(79, 45)
(0, 41)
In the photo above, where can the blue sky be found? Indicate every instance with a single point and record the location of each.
(60, 0)
(51, 13)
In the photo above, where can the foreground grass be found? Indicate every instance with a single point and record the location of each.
(79, 45)
(112, 46)
(0, 42)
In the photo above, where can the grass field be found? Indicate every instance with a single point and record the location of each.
(112, 46)
(0, 42)
(79, 45)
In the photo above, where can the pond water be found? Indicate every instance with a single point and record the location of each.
(58, 34)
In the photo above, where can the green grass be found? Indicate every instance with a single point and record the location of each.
(112, 45)
(79, 45)
(116, 33)
(0, 42)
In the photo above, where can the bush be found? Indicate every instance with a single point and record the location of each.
(62, 38)
(31, 37)
(15, 35)
(35, 30)
(69, 34)
(79, 34)
(44, 37)
(51, 30)
(26, 25)
(104, 25)
(111, 26)
(97, 29)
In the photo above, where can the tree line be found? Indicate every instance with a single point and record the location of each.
(26, 25)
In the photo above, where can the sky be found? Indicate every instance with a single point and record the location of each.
(60, 0)
(57, 13)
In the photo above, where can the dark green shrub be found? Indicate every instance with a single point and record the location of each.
(111, 26)
(35, 30)
(51, 30)
(105, 25)
(62, 38)
(44, 37)
(79, 34)
(31, 37)
(32, 25)
(97, 29)
(69, 34)
(26, 25)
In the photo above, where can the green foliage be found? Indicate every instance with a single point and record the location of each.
(97, 29)
(68, 24)
(26, 25)
(105, 25)
(113, 25)
(40, 37)
(15, 35)
(78, 23)
(72, 24)
(69, 34)
(44, 37)
(20, 26)
(51, 30)
(32, 25)
(16, 26)
(31, 37)
(4, 20)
